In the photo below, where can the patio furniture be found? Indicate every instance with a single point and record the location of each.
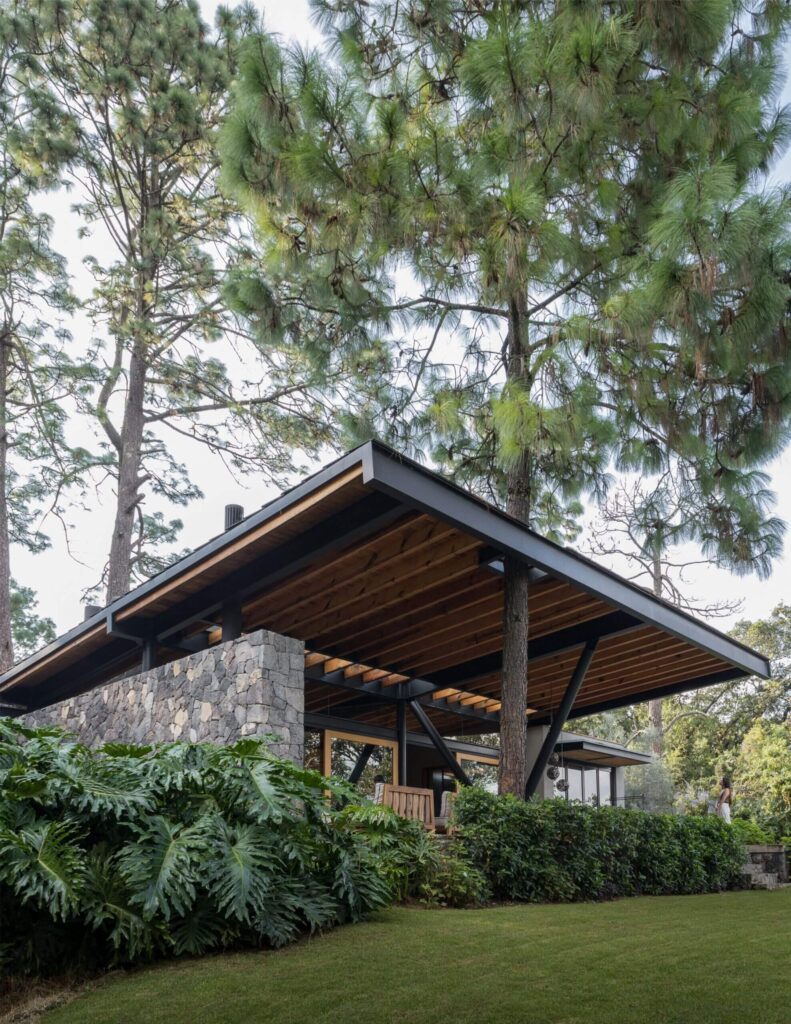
(407, 801)
(445, 810)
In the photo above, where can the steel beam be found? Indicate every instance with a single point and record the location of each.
(410, 690)
(414, 739)
(398, 692)
(359, 765)
(559, 720)
(442, 747)
(455, 708)
(13, 707)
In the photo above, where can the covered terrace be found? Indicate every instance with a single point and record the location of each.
(393, 579)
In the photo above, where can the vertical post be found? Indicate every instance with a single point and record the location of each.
(231, 620)
(326, 753)
(401, 772)
(149, 654)
(561, 716)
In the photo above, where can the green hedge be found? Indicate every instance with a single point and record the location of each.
(129, 853)
(554, 850)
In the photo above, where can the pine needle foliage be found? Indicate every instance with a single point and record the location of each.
(556, 212)
(129, 853)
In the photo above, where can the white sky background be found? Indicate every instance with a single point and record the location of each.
(59, 576)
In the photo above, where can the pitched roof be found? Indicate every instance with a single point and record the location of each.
(391, 576)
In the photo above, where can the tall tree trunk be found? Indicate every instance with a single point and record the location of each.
(129, 482)
(513, 724)
(6, 640)
(655, 706)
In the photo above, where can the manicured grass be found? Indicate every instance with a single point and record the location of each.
(668, 960)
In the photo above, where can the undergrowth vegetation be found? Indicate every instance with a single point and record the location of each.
(129, 853)
(553, 850)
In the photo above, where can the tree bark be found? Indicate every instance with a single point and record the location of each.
(6, 639)
(513, 723)
(129, 460)
(655, 716)
(130, 442)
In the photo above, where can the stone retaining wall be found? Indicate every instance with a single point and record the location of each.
(246, 687)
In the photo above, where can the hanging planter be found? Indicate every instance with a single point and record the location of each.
(553, 772)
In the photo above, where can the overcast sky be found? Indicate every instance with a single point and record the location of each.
(59, 575)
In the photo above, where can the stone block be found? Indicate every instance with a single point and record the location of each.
(256, 685)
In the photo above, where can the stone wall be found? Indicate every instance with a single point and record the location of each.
(246, 687)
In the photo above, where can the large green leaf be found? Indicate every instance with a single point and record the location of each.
(45, 864)
(162, 866)
(242, 862)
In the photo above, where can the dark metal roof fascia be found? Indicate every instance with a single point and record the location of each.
(416, 486)
(251, 522)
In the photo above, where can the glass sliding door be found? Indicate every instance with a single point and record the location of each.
(605, 787)
(574, 779)
(591, 783)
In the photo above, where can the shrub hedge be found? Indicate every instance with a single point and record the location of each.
(555, 850)
(129, 853)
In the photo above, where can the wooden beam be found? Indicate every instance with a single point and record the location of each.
(337, 584)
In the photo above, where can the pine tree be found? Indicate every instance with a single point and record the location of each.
(646, 525)
(36, 373)
(556, 201)
(29, 629)
(145, 84)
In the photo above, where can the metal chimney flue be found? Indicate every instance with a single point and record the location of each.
(234, 514)
(91, 610)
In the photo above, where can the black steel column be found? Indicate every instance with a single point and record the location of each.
(447, 754)
(560, 717)
(401, 739)
(149, 654)
(231, 620)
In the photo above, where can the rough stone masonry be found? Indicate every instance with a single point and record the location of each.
(246, 687)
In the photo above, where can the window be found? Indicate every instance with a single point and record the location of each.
(605, 787)
(589, 785)
(481, 772)
(591, 795)
(574, 779)
(342, 750)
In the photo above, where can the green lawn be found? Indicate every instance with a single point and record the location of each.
(686, 960)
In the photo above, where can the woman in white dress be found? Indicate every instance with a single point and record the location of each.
(723, 807)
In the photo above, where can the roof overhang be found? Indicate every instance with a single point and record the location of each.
(384, 569)
(599, 753)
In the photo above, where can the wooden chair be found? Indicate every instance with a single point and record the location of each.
(407, 801)
(445, 811)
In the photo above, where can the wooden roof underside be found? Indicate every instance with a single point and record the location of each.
(383, 594)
